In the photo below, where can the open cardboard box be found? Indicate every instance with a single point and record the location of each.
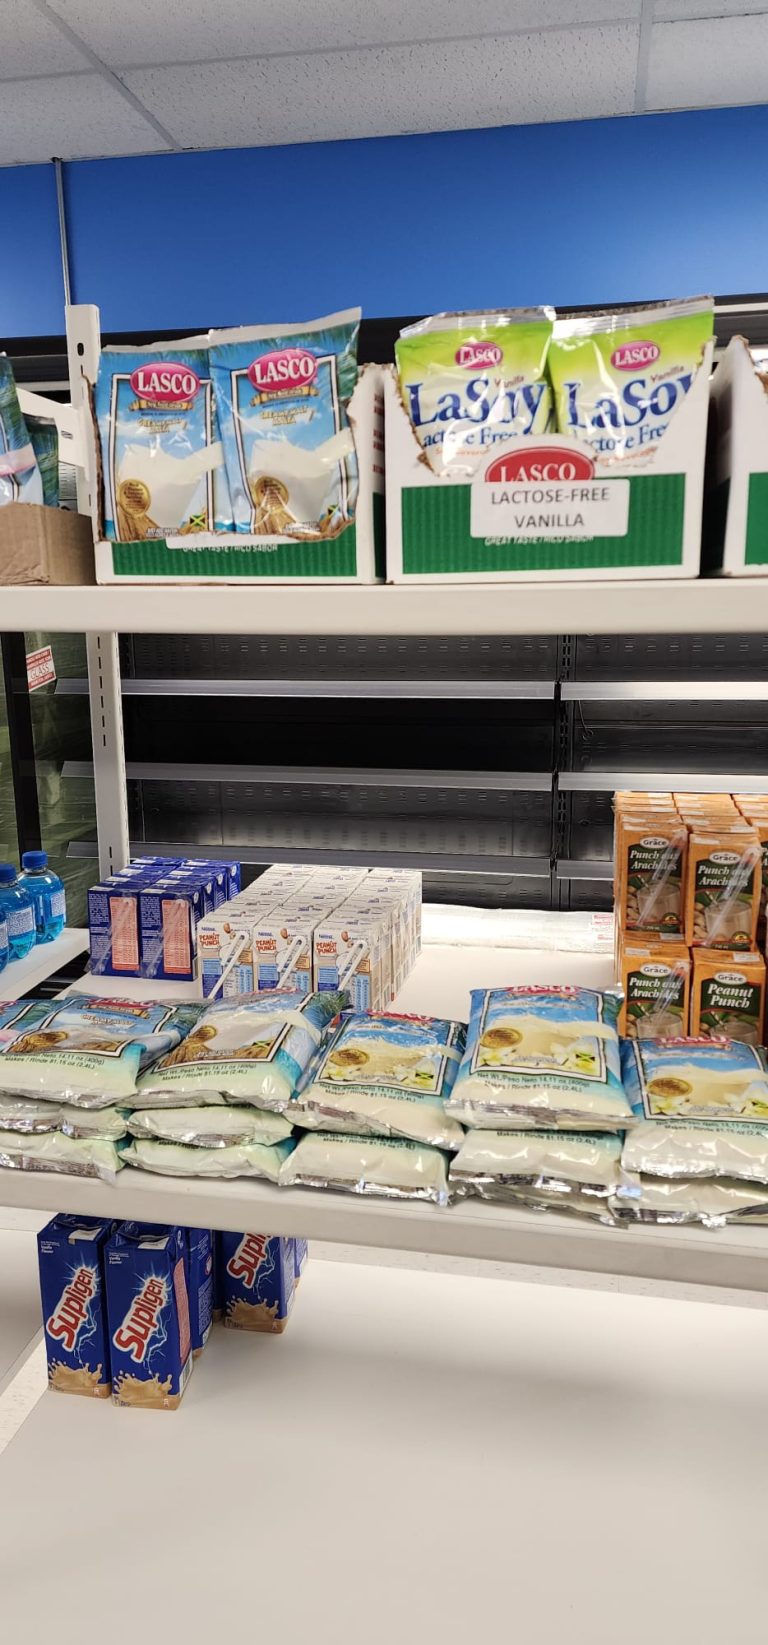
(546, 507)
(356, 555)
(45, 545)
(736, 523)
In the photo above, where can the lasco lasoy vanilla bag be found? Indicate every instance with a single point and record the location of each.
(161, 451)
(20, 480)
(282, 394)
(618, 378)
(470, 381)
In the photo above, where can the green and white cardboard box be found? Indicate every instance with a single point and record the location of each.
(546, 507)
(736, 525)
(355, 556)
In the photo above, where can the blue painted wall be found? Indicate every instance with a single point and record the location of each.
(31, 290)
(598, 211)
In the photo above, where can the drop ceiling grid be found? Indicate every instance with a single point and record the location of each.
(96, 77)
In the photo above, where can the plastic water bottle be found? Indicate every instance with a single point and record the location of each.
(47, 893)
(18, 910)
(3, 942)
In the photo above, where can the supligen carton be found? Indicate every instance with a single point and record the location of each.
(71, 1257)
(258, 1281)
(148, 1312)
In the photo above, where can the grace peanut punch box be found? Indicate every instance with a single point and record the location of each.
(247, 456)
(522, 446)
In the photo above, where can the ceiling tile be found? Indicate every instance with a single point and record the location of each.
(185, 31)
(672, 10)
(708, 63)
(32, 45)
(71, 117)
(569, 75)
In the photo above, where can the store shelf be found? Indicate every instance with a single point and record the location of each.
(666, 691)
(133, 988)
(657, 607)
(691, 782)
(44, 961)
(395, 690)
(581, 868)
(477, 855)
(420, 1456)
(507, 782)
(732, 1258)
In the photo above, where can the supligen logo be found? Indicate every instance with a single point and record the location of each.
(245, 1262)
(73, 1309)
(141, 1321)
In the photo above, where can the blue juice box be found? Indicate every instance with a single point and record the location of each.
(258, 1281)
(71, 1257)
(169, 912)
(301, 1252)
(113, 922)
(200, 1262)
(148, 1312)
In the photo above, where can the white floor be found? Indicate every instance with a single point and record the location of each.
(423, 1457)
(19, 1293)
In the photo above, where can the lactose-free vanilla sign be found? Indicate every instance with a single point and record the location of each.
(549, 490)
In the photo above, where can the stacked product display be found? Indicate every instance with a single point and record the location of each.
(537, 1103)
(315, 928)
(29, 472)
(128, 1307)
(690, 881)
(143, 920)
(33, 907)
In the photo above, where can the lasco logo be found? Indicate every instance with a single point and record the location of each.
(73, 1309)
(471, 355)
(167, 383)
(284, 368)
(141, 1321)
(245, 1262)
(630, 355)
(538, 463)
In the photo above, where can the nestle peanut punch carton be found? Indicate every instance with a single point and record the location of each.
(728, 995)
(259, 1280)
(148, 1311)
(71, 1256)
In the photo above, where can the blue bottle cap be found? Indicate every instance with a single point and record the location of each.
(7, 873)
(34, 859)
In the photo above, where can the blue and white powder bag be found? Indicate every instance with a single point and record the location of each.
(282, 395)
(20, 480)
(161, 452)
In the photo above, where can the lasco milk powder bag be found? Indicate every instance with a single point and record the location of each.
(71, 1257)
(503, 1164)
(282, 394)
(541, 1056)
(696, 1079)
(618, 378)
(469, 381)
(20, 480)
(394, 1168)
(71, 1157)
(384, 1075)
(44, 439)
(209, 1127)
(168, 1159)
(251, 1052)
(161, 453)
(86, 1067)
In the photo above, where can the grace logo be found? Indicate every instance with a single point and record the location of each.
(284, 368)
(165, 383)
(245, 1262)
(142, 1319)
(628, 356)
(73, 1309)
(537, 463)
(654, 970)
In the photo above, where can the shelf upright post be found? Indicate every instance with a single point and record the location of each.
(83, 350)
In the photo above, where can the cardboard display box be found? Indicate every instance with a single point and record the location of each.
(546, 507)
(45, 545)
(355, 556)
(736, 518)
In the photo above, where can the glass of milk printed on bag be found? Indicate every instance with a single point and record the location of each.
(282, 394)
(471, 381)
(161, 455)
